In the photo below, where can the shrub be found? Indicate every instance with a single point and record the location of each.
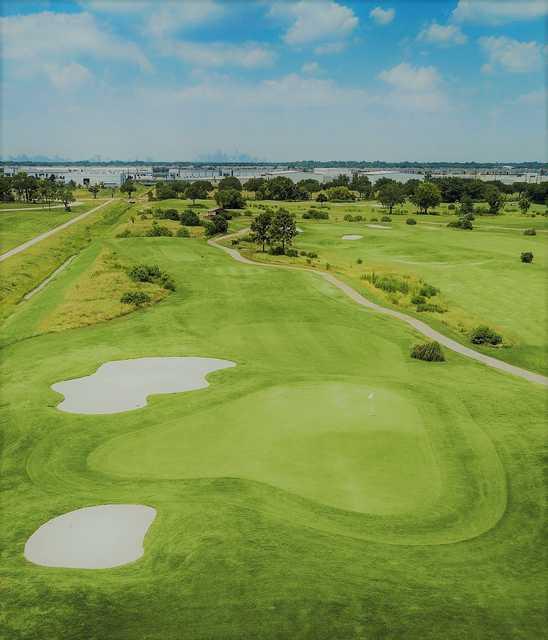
(137, 298)
(315, 214)
(389, 283)
(530, 232)
(427, 290)
(358, 218)
(410, 221)
(359, 261)
(428, 351)
(451, 207)
(276, 251)
(432, 308)
(183, 233)
(484, 335)
(348, 218)
(464, 222)
(312, 254)
(144, 273)
(527, 257)
(190, 218)
(126, 233)
(303, 253)
(235, 242)
(158, 230)
(386, 219)
(418, 300)
(167, 214)
(292, 253)
(374, 219)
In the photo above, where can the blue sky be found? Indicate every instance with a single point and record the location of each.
(278, 80)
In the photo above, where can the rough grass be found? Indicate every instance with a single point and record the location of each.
(289, 503)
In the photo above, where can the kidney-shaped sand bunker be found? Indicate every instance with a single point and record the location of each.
(98, 537)
(123, 385)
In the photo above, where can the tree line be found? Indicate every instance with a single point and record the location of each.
(24, 188)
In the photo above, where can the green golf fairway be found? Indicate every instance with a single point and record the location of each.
(326, 487)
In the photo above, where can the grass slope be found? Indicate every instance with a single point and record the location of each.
(289, 505)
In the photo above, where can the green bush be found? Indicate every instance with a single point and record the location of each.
(183, 233)
(190, 218)
(428, 351)
(386, 219)
(527, 257)
(427, 290)
(312, 254)
(348, 218)
(389, 283)
(315, 214)
(451, 207)
(418, 300)
(484, 335)
(431, 308)
(276, 251)
(157, 231)
(359, 261)
(292, 253)
(167, 214)
(126, 233)
(464, 222)
(530, 232)
(410, 221)
(373, 219)
(137, 298)
(144, 273)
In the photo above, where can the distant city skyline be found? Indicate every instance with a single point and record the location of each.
(454, 80)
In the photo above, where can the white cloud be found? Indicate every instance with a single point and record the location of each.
(313, 22)
(414, 88)
(442, 35)
(499, 11)
(409, 78)
(329, 48)
(218, 54)
(116, 6)
(382, 16)
(49, 37)
(311, 68)
(68, 76)
(511, 55)
(532, 99)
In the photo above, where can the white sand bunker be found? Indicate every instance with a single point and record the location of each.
(378, 226)
(352, 237)
(123, 385)
(92, 538)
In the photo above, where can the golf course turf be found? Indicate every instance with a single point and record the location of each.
(328, 486)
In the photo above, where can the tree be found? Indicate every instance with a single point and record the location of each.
(254, 184)
(281, 188)
(362, 185)
(48, 191)
(426, 195)
(67, 197)
(197, 190)
(230, 182)
(524, 203)
(391, 194)
(229, 199)
(309, 185)
(261, 227)
(321, 198)
(217, 224)
(168, 190)
(128, 187)
(382, 181)
(5, 189)
(340, 193)
(178, 187)
(466, 206)
(493, 198)
(283, 228)
(190, 218)
(94, 188)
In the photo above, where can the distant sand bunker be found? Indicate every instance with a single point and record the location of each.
(123, 385)
(352, 237)
(378, 226)
(91, 538)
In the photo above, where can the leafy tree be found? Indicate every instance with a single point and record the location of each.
(67, 196)
(321, 198)
(382, 181)
(283, 228)
(281, 188)
(128, 187)
(190, 218)
(342, 180)
(309, 185)
(229, 199)
(254, 184)
(524, 203)
(426, 195)
(362, 185)
(493, 198)
(218, 224)
(391, 194)
(230, 182)
(466, 205)
(94, 188)
(197, 190)
(340, 193)
(5, 189)
(48, 191)
(167, 190)
(261, 227)
(178, 187)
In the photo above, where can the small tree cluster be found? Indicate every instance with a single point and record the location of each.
(275, 230)
(151, 273)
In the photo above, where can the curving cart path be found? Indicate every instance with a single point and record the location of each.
(51, 232)
(418, 325)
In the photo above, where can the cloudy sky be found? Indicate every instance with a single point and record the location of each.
(279, 80)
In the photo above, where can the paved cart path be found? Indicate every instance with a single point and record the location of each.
(418, 325)
(51, 232)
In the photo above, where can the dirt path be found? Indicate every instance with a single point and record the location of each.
(51, 232)
(418, 325)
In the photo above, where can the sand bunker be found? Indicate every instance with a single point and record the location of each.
(92, 538)
(352, 237)
(123, 385)
(377, 226)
